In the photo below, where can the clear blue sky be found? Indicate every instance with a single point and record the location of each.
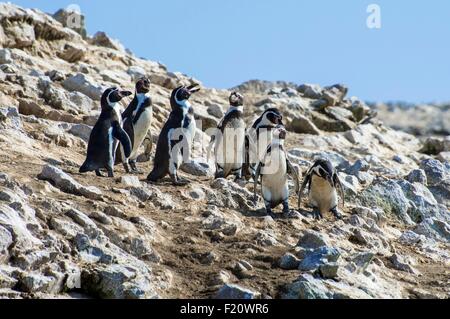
(223, 43)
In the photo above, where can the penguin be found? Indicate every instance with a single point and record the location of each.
(137, 119)
(101, 146)
(176, 137)
(229, 140)
(256, 143)
(323, 185)
(274, 170)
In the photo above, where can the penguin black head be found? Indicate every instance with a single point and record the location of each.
(182, 93)
(324, 169)
(236, 99)
(112, 96)
(143, 85)
(274, 116)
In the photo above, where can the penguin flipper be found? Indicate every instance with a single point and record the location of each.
(255, 181)
(306, 182)
(340, 189)
(120, 134)
(293, 172)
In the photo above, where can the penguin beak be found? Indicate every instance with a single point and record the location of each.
(123, 94)
(193, 88)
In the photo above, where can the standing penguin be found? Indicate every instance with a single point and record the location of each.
(274, 169)
(176, 137)
(101, 146)
(258, 137)
(323, 186)
(137, 119)
(230, 139)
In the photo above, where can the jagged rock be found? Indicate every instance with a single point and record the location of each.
(302, 125)
(334, 94)
(37, 283)
(130, 181)
(441, 192)
(222, 278)
(5, 56)
(216, 221)
(436, 171)
(325, 123)
(83, 84)
(9, 118)
(289, 262)
(136, 72)
(318, 257)
(229, 291)
(329, 270)
(72, 53)
(362, 260)
(71, 19)
(400, 263)
(358, 166)
(215, 110)
(55, 75)
(67, 184)
(6, 240)
(82, 131)
(312, 239)
(434, 146)
(101, 39)
(306, 287)
(411, 238)
(434, 228)
(196, 168)
(118, 282)
(311, 91)
(417, 176)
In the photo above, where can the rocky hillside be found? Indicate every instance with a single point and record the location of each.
(67, 235)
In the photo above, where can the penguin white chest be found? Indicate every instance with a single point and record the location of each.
(322, 195)
(274, 180)
(141, 129)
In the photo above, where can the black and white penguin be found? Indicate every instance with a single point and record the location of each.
(229, 140)
(176, 137)
(274, 170)
(323, 185)
(101, 146)
(137, 119)
(258, 137)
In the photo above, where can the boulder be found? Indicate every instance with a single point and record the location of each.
(319, 257)
(5, 56)
(312, 239)
(72, 53)
(289, 262)
(230, 291)
(302, 125)
(436, 171)
(417, 176)
(73, 19)
(67, 184)
(83, 84)
(103, 40)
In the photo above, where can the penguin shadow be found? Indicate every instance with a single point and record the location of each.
(277, 214)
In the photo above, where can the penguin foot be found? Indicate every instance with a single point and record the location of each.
(110, 173)
(219, 174)
(336, 213)
(98, 173)
(317, 214)
(134, 168)
(127, 168)
(176, 181)
(286, 209)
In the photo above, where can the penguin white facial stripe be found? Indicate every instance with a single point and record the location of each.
(108, 100)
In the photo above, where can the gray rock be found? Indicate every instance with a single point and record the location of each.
(312, 239)
(230, 291)
(136, 72)
(436, 171)
(318, 257)
(215, 110)
(33, 282)
(118, 282)
(72, 53)
(130, 181)
(434, 229)
(441, 192)
(362, 260)
(329, 270)
(222, 278)
(307, 287)
(417, 176)
(67, 184)
(34, 259)
(196, 168)
(358, 166)
(71, 19)
(82, 131)
(400, 263)
(102, 39)
(5, 56)
(311, 91)
(302, 125)
(6, 241)
(289, 262)
(83, 84)
(411, 238)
